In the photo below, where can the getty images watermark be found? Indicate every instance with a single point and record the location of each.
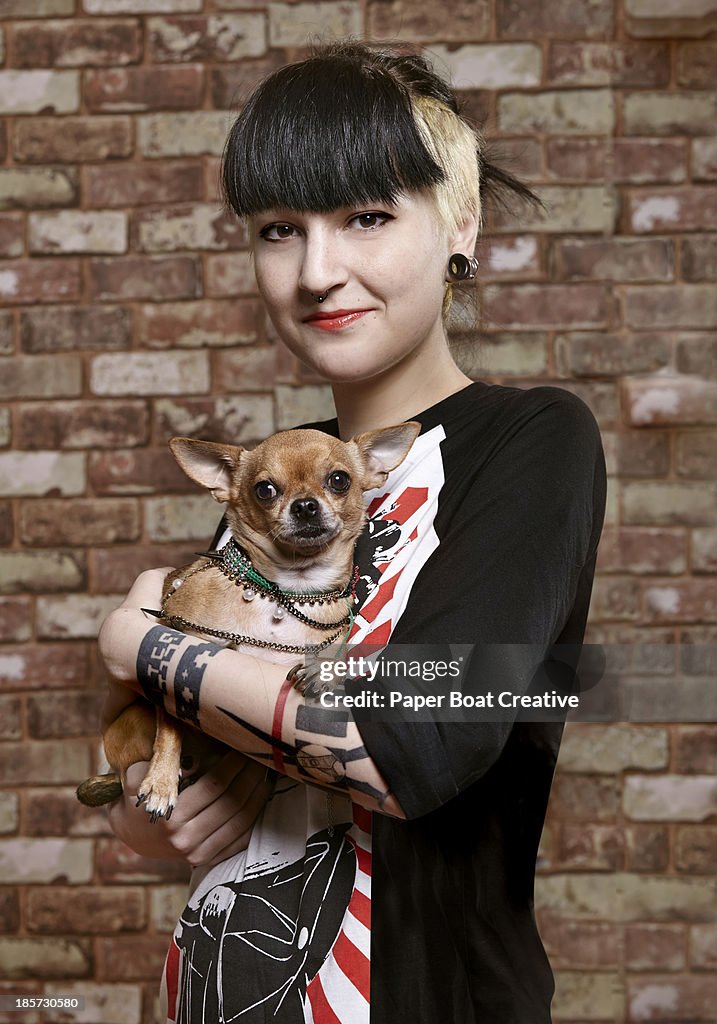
(502, 682)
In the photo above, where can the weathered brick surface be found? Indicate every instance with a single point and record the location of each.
(75, 328)
(144, 88)
(131, 315)
(74, 139)
(64, 44)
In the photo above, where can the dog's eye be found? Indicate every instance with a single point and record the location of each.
(339, 481)
(265, 490)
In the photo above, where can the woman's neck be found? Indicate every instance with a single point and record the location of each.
(397, 394)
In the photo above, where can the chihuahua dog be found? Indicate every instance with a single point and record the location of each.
(282, 585)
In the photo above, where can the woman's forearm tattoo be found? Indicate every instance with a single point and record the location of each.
(155, 658)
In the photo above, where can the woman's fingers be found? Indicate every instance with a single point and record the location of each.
(233, 835)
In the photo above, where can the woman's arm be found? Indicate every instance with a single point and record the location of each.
(243, 701)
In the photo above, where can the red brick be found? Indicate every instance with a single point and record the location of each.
(696, 850)
(675, 998)
(703, 946)
(593, 353)
(231, 84)
(114, 570)
(699, 258)
(628, 64)
(143, 277)
(581, 305)
(246, 419)
(83, 424)
(696, 749)
(67, 44)
(424, 20)
(688, 600)
(647, 848)
(664, 306)
(228, 37)
(654, 947)
(577, 797)
(200, 226)
(616, 598)
(642, 454)
(588, 847)
(117, 863)
(50, 761)
(629, 160)
(54, 910)
(15, 618)
(246, 369)
(621, 259)
(172, 181)
(82, 521)
(7, 333)
(40, 377)
(662, 400)
(11, 235)
(131, 959)
(696, 353)
(75, 328)
(54, 716)
(671, 209)
(696, 454)
(6, 523)
(144, 88)
(635, 550)
(3, 142)
(581, 943)
(43, 666)
(566, 18)
(199, 324)
(9, 910)
(40, 280)
(697, 65)
(41, 572)
(704, 159)
(146, 471)
(36, 188)
(229, 274)
(10, 716)
(40, 140)
(57, 812)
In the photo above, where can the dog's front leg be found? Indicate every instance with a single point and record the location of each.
(160, 787)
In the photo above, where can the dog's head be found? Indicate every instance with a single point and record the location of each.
(299, 494)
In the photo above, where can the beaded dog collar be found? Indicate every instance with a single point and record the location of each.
(234, 563)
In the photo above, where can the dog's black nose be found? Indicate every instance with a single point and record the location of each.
(305, 509)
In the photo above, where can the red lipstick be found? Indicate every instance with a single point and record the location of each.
(334, 319)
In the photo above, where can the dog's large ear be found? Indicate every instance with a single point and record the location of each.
(384, 449)
(212, 465)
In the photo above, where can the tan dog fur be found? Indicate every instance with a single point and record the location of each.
(311, 551)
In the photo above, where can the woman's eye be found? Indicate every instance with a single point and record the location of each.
(265, 490)
(339, 481)
(277, 232)
(371, 220)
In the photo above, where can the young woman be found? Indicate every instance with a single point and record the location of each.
(407, 895)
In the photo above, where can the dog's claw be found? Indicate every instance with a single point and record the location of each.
(141, 799)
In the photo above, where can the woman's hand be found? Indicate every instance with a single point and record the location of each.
(212, 819)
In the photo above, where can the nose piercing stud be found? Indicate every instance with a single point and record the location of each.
(320, 298)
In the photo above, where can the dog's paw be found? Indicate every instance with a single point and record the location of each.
(158, 794)
(310, 679)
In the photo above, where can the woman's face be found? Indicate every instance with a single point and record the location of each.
(382, 268)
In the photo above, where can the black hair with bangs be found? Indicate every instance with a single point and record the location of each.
(337, 129)
(334, 130)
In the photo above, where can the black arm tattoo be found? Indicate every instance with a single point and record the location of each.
(154, 657)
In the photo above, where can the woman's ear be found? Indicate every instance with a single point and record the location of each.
(465, 237)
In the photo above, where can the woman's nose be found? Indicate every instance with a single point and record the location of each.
(323, 264)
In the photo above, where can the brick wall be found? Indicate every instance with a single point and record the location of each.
(129, 315)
